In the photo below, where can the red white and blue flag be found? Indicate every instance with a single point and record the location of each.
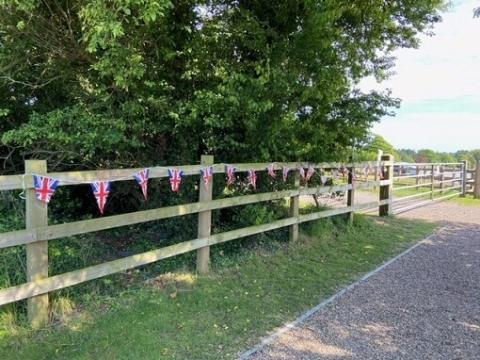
(366, 171)
(142, 179)
(207, 175)
(381, 173)
(285, 171)
(252, 178)
(44, 187)
(271, 171)
(310, 173)
(230, 171)
(175, 176)
(302, 173)
(101, 190)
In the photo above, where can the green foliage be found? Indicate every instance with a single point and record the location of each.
(370, 150)
(130, 82)
(218, 316)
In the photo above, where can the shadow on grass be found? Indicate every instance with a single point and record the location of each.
(185, 316)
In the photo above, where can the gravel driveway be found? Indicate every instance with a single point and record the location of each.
(424, 305)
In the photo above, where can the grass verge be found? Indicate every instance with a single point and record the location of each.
(184, 316)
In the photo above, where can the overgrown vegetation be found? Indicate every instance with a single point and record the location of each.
(370, 149)
(183, 316)
(91, 84)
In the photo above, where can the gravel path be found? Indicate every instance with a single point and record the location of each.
(446, 212)
(424, 305)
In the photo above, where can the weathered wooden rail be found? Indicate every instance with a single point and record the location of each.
(446, 179)
(38, 233)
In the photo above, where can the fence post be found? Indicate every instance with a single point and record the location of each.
(386, 189)
(432, 180)
(442, 178)
(417, 179)
(204, 218)
(476, 184)
(464, 178)
(294, 202)
(37, 253)
(379, 157)
(351, 192)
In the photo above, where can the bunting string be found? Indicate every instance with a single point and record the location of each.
(45, 186)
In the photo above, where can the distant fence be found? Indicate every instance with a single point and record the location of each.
(418, 184)
(37, 233)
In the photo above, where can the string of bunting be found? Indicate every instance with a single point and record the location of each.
(45, 186)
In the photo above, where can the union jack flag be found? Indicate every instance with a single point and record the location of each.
(101, 190)
(271, 171)
(366, 171)
(302, 173)
(285, 171)
(44, 187)
(310, 173)
(142, 179)
(252, 178)
(381, 173)
(175, 176)
(207, 175)
(230, 171)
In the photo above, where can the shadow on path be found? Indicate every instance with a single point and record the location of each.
(424, 305)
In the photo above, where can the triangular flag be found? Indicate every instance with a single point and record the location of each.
(230, 171)
(44, 188)
(323, 179)
(285, 171)
(142, 179)
(271, 171)
(175, 177)
(366, 171)
(302, 172)
(207, 174)
(310, 173)
(101, 190)
(252, 178)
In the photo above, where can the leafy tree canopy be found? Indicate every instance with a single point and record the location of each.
(130, 82)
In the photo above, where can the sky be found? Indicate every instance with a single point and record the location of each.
(439, 85)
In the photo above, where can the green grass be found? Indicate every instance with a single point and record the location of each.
(468, 200)
(184, 316)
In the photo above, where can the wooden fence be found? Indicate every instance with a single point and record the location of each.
(37, 232)
(418, 184)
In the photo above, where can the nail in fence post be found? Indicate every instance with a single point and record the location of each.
(294, 203)
(351, 192)
(464, 178)
(476, 184)
(204, 218)
(37, 253)
(386, 190)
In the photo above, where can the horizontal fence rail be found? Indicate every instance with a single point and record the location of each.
(410, 182)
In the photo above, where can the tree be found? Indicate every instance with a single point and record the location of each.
(370, 150)
(90, 83)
